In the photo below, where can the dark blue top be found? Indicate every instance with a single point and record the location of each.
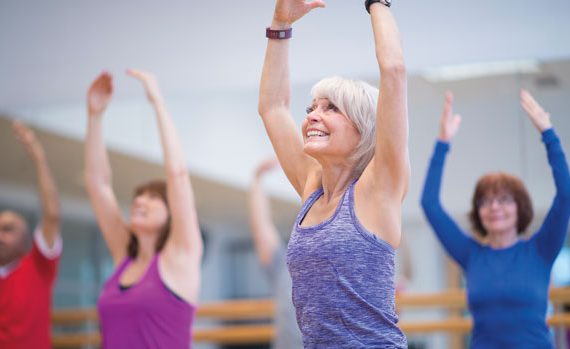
(507, 289)
(343, 282)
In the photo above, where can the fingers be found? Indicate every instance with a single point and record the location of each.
(22, 132)
(315, 4)
(447, 106)
(139, 74)
(103, 82)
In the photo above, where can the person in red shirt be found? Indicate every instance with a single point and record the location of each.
(28, 263)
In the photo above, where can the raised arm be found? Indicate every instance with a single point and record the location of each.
(389, 170)
(275, 94)
(265, 235)
(98, 171)
(50, 222)
(455, 242)
(185, 238)
(550, 237)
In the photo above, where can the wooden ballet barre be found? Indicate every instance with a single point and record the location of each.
(263, 309)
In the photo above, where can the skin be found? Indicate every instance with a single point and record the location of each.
(14, 242)
(264, 233)
(310, 163)
(179, 261)
(13, 237)
(498, 219)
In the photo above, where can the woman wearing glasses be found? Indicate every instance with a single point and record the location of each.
(507, 276)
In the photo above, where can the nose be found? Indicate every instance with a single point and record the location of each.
(314, 116)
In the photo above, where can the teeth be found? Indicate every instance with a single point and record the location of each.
(314, 133)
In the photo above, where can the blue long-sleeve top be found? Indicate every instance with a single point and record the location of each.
(507, 289)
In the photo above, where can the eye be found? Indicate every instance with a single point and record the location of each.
(333, 108)
(310, 109)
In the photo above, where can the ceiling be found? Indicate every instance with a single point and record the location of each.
(50, 50)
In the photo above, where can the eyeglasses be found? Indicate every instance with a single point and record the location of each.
(502, 200)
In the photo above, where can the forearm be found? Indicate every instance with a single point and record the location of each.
(389, 53)
(174, 161)
(274, 92)
(97, 168)
(47, 189)
(558, 163)
(265, 235)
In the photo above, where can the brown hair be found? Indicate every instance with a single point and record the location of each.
(501, 182)
(157, 187)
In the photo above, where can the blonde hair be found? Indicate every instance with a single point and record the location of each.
(358, 101)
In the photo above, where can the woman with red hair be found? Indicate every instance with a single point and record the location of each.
(507, 276)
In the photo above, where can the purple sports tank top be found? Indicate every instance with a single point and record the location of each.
(343, 282)
(145, 315)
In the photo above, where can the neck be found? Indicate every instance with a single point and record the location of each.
(147, 246)
(502, 239)
(335, 180)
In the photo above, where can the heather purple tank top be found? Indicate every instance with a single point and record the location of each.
(343, 282)
(145, 315)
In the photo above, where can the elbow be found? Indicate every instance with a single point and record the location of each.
(395, 68)
(177, 171)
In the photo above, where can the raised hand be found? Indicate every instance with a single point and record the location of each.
(539, 118)
(27, 138)
(99, 94)
(150, 84)
(289, 11)
(449, 122)
(266, 166)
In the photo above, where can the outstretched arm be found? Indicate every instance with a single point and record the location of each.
(455, 242)
(389, 170)
(50, 223)
(265, 235)
(98, 171)
(185, 238)
(550, 237)
(275, 94)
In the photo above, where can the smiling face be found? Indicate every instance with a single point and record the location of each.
(327, 133)
(500, 204)
(498, 213)
(148, 213)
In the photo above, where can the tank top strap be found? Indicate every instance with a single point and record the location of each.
(308, 204)
(153, 272)
(122, 266)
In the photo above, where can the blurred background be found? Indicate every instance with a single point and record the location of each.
(208, 57)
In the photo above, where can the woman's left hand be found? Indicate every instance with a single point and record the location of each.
(27, 138)
(539, 118)
(150, 84)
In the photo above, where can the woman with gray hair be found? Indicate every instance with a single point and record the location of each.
(351, 170)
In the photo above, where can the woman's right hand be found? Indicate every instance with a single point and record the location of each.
(449, 122)
(289, 11)
(99, 94)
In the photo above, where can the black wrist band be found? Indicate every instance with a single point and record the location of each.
(279, 34)
(367, 3)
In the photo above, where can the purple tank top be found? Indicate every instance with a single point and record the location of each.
(343, 281)
(145, 315)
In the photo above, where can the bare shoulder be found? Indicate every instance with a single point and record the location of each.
(378, 211)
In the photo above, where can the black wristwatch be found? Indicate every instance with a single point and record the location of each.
(386, 3)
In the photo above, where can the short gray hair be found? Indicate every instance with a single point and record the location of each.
(358, 101)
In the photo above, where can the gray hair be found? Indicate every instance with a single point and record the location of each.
(358, 101)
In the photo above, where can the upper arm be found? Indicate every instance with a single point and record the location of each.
(185, 235)
(110, 220)
(453, 239)
(288, 146)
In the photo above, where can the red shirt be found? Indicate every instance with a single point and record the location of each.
(25, 302)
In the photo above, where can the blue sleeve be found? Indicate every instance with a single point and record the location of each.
(453, 239)
(550, 237)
